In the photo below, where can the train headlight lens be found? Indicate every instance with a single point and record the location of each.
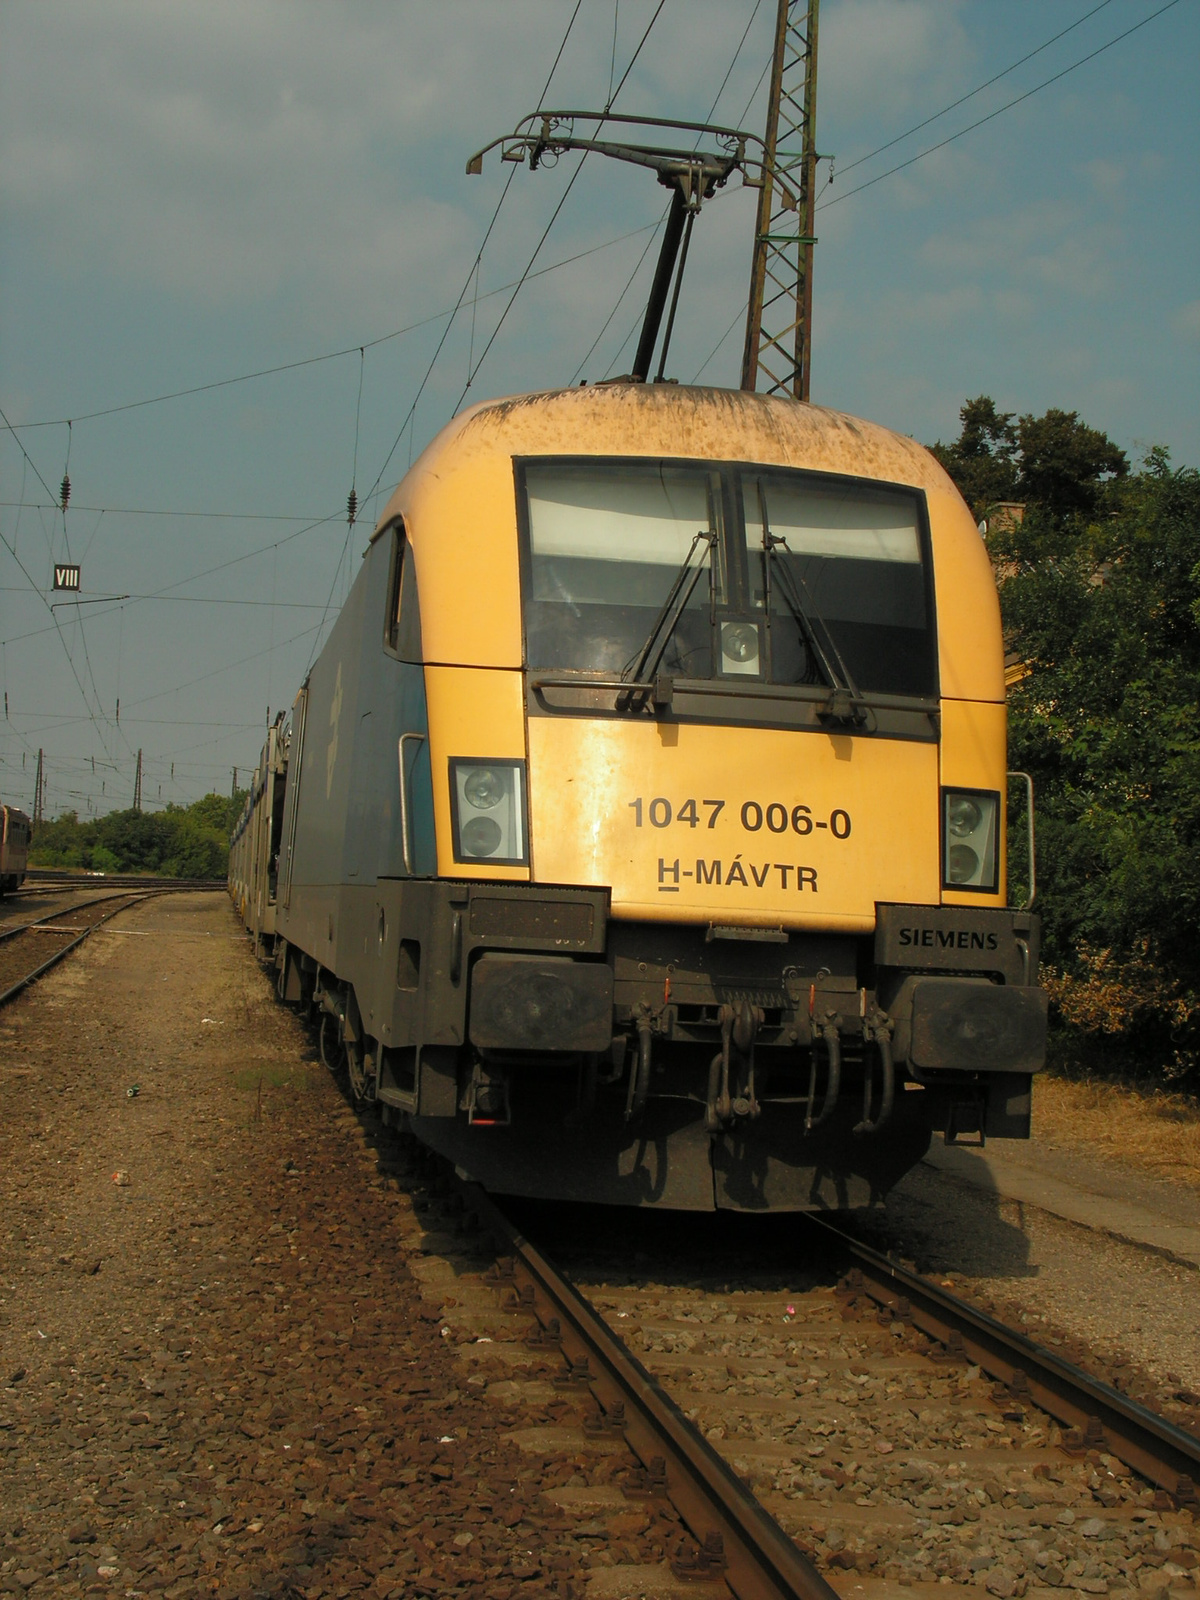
(964, 863)
(970, 840)
(963, 816)
(739, 647)
(487, 807)
(484, 789)
(482, 837)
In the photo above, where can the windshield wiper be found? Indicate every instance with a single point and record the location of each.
(844, 703)
(645, 664)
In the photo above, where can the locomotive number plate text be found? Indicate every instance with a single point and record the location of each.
(755, 815)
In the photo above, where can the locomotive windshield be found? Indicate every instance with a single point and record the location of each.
(853, 553)
(807, 579)
(605, 549)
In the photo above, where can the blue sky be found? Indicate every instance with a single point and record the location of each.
(192, 193)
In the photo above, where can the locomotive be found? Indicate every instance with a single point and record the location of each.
(639, 834)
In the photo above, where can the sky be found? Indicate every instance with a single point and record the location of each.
(193, 194)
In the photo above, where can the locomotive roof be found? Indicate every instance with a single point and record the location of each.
(459, 505)
(666, 419)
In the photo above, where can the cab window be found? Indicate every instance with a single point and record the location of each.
(402, 626)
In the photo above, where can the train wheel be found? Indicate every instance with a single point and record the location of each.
(329, 1043)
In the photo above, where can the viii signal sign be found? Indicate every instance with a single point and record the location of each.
(66, 577)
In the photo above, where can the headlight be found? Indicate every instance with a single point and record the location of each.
(739, 647)
(963, 815)
(485, 788)
(970, 830)
(487, 803)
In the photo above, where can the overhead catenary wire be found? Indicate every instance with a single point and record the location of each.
(1010, 104)
(311, 361)
(991, 116)
(150, 511)
(971, 93)
(557, 210)
(411, 412)
(823, 205)
(187, 599)
(220, 566)
(663, 217)
(96, 712)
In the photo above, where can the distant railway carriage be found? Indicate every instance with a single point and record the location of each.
(639, 834)
(15, 832)
(254, 849)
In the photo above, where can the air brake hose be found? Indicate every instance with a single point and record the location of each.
(645, 1046)
(881, 1032)
(712, 1120)
(639, 1072)
(833, 1087)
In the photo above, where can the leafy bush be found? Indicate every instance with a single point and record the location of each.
(180, 842)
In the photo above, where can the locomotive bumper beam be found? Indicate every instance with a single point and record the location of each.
(970, 1020)
(989, 1027)
(550, 1003)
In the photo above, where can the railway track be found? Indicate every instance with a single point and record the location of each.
(39, 877)
(860, 1424)
(30, 949)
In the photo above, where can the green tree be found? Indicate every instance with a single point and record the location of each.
(1105, 612)
(1064, 464)
(1054, 462)
(982, 460)
(178, 842)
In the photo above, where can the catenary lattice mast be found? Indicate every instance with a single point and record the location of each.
(777, 357)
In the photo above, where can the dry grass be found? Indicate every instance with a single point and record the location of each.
(1152, 1129)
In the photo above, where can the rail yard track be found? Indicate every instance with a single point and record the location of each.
(871, 1428)
(294, 1355)
(30, 949)
(51, 878)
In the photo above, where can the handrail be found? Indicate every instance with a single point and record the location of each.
(1028, 906)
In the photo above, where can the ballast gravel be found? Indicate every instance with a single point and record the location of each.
(218, 1375)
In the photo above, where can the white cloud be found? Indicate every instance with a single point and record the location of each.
(890, 57)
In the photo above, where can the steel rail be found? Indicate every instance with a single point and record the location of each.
(104, 880)
(1099, 1416)
(52, 961)
(739, 1541)
(54, 916)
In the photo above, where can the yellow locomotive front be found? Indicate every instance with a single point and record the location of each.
(713, 713)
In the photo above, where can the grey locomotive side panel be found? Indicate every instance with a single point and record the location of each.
(330, 728)
(391, 702)
(348, 831)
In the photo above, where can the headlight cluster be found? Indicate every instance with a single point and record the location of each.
(487, 804)
(970, 827)
(740, 647)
